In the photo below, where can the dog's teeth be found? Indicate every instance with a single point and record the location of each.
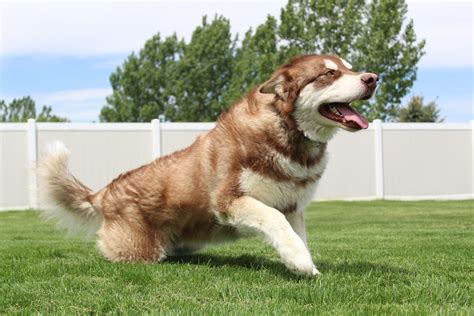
(335, 111)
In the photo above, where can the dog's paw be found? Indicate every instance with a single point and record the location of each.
(296, 257)
(301, 263)
(315, 272)
(305, 271)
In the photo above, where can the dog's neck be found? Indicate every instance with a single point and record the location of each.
(300, 146)
(303, 122)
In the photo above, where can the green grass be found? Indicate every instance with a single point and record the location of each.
(376, 257)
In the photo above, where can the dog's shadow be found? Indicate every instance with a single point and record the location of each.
(258, 263)
(244, 261)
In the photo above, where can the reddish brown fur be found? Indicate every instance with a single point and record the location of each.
(180, 201)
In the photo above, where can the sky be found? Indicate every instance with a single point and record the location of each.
(62, 53)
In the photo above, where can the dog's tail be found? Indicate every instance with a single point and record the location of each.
(62, 197)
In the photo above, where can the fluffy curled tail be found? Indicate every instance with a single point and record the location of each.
(62, 197)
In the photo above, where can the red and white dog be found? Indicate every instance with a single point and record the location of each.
(255, 171)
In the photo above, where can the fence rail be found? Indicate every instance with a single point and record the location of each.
(406, 161)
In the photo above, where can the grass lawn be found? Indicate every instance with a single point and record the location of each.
(375, 257)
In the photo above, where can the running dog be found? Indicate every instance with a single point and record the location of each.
(256, 171)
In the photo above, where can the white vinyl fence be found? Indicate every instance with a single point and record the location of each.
(386, 161)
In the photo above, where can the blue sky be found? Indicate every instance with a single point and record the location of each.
(62, 54)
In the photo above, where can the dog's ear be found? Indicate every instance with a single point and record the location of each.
(274, 86)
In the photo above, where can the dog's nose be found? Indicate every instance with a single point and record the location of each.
(369, 79)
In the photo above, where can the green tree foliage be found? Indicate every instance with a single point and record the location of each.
(183, 81)
(205, 71)
(255, 59)
(196, 81)
(46, 115)
(3, 111)
(145, 86)
(417, 111)
(20, 110)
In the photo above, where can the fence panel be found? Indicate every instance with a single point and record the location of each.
(14, 187)
(99, 156)
(350, 172)
(427, 162)
(394, 161)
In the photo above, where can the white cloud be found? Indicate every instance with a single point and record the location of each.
(107, 28)
(111, 63)
(447, 27)
(82, 105)
(110, 27)
(80, 111)
(74, 95)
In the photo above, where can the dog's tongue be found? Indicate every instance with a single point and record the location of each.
(352, 115)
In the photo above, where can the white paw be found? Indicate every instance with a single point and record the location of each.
(300, 261)
(316, 271)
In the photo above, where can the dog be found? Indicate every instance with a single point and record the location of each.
(255, 172)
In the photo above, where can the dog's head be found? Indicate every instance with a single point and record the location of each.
(317, 91)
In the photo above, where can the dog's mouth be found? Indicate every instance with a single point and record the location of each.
(344, 114)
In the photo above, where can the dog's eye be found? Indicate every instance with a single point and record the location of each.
(330, 73)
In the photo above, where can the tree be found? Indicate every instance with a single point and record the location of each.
(185, 82)
(20, 110)
(201, 78)
(145, 85)
(46, 115)
(255, 60)
(3, 111)
(417, 111)
(205, 72)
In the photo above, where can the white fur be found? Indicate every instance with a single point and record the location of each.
(346, 64)
(345, 89)
(252, 214)
(52, 171)
(277, 194)
(330, 64)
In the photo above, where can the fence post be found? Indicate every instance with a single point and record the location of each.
(379, 176)
(156, 138)
(32, 157)
(472, 158)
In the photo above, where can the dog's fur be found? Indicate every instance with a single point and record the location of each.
(254, 172)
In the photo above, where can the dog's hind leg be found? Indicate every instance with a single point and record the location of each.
(252, 214)
(122, 241)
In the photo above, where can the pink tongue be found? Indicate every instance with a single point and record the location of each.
(352, 115)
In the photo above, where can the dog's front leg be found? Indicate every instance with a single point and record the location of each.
(250, 213)
(296, 220)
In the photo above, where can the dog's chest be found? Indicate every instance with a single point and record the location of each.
(294, 192)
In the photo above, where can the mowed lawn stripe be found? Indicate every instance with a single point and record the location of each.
(376, 257)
